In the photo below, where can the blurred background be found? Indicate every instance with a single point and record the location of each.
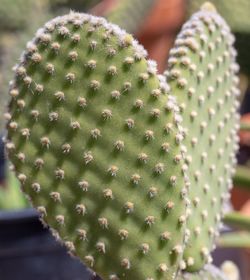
(27, 251)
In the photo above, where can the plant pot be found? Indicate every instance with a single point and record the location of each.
(28, 251)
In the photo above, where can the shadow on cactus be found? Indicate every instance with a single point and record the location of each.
(96, 140)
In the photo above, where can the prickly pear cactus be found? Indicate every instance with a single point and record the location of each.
(202, 76)
(129, 14)
(96, 144)
(209, 272)
(236, 13)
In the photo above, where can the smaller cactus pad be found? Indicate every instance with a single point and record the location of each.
(236, 13)
(209, 272)
(96, 144)
(202, 77)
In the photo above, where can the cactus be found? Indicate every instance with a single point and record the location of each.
(234, 240)
(238, 220)
(241, 178)
(95, 139)
(201, 75)
(92, 143)
(236, 13)
(209, 272)
(129, 14)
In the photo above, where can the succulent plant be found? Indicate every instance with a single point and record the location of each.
(209, 272)
(129, 14)
(92, 143)
(95, 139)
(242, 177)
(202, 77)
(236, 239)
(236, 13)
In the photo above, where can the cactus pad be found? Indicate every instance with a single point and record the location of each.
(236, 13)
(209, 272)
(95, 142)
(202, 77)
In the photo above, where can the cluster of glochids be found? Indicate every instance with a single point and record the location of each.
(95, 139)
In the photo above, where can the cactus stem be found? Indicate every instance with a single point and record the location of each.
(241, 178)
(245, 126)
(234, 240)
(237, 220)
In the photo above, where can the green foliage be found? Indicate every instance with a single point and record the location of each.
(237, 220)
(14, 14)
(202, 76)
(97, 151)
(129, 14)
(11, 196)
(241, 178)
(234, 240)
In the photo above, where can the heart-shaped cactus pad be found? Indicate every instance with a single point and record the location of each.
(95, 138)
(95, 141)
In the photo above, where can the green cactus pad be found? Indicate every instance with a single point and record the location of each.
(209, 272)
(97, 148)
(236, 13)
(202, 76)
